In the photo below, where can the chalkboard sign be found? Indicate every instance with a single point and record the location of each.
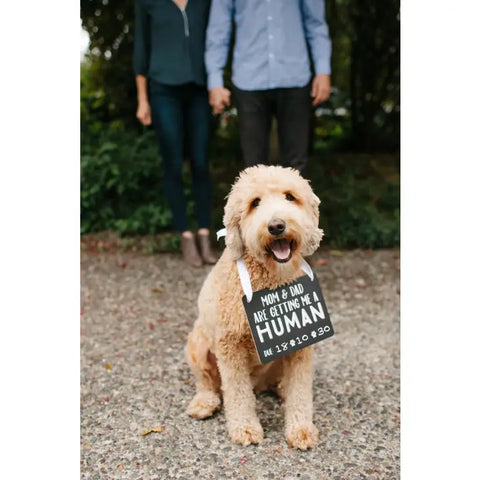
(288, 318)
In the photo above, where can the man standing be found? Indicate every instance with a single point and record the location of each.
(271, 71)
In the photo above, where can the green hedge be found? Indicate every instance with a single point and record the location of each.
(121, 183)
(360, 199)
(122, 187)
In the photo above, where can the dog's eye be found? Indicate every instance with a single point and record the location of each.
(289, 197)
(255, 203)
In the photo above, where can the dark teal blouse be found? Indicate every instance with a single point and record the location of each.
(169, 42)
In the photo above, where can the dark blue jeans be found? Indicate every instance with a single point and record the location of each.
(178, 112)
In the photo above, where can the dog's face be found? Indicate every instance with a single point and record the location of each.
(272, 213)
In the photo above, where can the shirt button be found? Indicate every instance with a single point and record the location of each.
(271, 55)
(269, 18)
(270, 37)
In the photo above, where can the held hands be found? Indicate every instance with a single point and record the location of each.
(219, 98)
(143, 113)
(320, 89)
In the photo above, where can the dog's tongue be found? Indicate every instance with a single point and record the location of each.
(281, 248)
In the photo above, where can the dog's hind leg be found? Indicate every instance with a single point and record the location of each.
(204, 367)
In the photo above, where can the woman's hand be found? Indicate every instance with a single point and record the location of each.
(143, 113)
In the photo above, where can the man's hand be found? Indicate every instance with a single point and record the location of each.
(219, 98)
(143, 113)
(320, 89)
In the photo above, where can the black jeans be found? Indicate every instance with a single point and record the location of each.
(179, 110)
(292, 108)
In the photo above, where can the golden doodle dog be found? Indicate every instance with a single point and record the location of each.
(271, 219)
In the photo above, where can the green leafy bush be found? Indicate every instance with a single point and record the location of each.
(360, 199)
(121, 183)
(122, 188)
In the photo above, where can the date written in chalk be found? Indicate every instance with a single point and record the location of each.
(283, 347)
(288, 318)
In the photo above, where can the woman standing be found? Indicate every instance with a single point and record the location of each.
(172, 95)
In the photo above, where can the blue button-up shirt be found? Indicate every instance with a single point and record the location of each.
(272, 38)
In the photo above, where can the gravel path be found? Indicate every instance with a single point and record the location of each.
(136, 313)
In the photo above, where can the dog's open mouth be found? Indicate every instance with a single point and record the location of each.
(281, 249)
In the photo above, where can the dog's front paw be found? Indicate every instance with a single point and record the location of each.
(203, 404)
(302, 436)
(245, 435)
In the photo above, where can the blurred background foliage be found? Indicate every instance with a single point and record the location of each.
(355, 137)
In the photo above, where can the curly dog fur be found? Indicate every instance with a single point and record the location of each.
(220, 348)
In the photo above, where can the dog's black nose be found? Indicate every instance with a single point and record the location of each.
(276, 226)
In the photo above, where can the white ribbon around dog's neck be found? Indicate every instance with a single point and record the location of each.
(245, 276)
(221, 233)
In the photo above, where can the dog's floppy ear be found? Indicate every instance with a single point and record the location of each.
(312, 240)
(314, 202)
(231, 220)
